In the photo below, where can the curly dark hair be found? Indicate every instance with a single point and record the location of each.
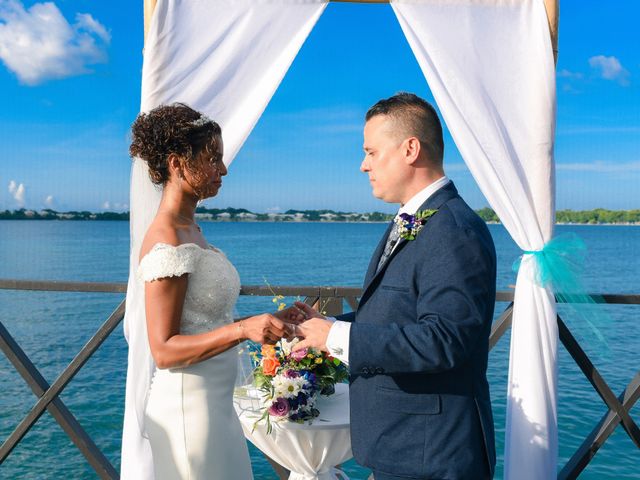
(170, 129)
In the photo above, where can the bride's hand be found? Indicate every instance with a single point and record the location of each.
(291, 314)
(309, 312)
(264, 328)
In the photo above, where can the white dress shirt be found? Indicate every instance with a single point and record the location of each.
(338, 338)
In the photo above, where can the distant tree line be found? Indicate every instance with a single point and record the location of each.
(296, 215)
(488, 215)
(48, 214)
(599, 215)
(590, 217)
(587, 217)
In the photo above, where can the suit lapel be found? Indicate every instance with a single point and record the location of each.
(375, 274)
(373, 264)
(435, 201)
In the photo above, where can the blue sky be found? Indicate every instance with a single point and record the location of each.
(67, 105)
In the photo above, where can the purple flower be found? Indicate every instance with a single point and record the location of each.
(291, 374)
(310, 377)
(279, 408)
(293, 403)
(302, 399)
(299, 354)
(410, 225)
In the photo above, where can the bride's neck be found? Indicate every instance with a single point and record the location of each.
(177, 201)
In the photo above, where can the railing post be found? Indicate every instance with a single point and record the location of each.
(579, 461)
(326, 299)
(57, 409)
(593, 375)
(331, 306)
(63, 379)
(500, 326)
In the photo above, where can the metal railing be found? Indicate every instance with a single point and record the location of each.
(332, 300)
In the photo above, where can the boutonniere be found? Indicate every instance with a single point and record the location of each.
(410, 225)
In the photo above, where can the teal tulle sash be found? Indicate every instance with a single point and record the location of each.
(560, 266)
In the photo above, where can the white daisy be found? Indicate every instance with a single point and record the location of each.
(287, 387)
(287, 345)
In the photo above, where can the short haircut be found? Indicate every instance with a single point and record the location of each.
(413, 117)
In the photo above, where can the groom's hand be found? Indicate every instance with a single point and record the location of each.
(314, 333)
(291, 314)
(308, 312)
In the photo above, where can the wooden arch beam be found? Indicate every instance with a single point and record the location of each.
(553, 16)
(552, 7)
(149, 7)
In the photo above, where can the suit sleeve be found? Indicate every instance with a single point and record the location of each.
(454, 288)
(347, 317)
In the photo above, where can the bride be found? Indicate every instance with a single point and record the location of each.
(190, 289)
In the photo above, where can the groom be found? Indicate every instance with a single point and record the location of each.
(417, 345)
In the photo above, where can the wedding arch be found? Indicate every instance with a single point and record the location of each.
(490, 66)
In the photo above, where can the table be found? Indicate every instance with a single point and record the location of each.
(310, 452)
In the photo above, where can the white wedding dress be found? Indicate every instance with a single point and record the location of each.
(189, 417)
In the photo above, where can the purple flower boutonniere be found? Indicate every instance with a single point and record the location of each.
(410, 225)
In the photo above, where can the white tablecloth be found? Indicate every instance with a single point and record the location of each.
(310, 452)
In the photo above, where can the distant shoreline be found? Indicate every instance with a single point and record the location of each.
(350, 222)
(598, 216)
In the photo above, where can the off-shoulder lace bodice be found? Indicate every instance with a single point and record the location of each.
(213, 285)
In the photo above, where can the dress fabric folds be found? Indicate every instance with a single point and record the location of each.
(193, 429)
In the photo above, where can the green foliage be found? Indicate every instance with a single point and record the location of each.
(598, 216)
(488, 215)
(380, 217)
(49, 214)
(233, 212)
(582, 217)
(587, 217)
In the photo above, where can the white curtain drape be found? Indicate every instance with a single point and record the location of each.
(224, 58)
(490, 67)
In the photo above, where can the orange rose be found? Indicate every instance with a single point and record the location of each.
(268, 351)
(270, 366)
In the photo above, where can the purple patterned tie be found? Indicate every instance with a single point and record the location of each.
(392, 240)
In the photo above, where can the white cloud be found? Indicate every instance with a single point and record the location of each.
(108, 205)
(600, 167)
(566, 88)
(39, 44)
(49, 201)
(610, 68)
(568, 74)
(84, 21)
(17, 192)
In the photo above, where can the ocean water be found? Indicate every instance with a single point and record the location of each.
(51, 327)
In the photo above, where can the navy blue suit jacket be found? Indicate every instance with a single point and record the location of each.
(418, 351)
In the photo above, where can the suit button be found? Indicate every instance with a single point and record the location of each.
(379, 370)
(365, 370)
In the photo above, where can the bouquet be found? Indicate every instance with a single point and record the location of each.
(290, 381)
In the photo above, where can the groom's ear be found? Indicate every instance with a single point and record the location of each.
(411, 149)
